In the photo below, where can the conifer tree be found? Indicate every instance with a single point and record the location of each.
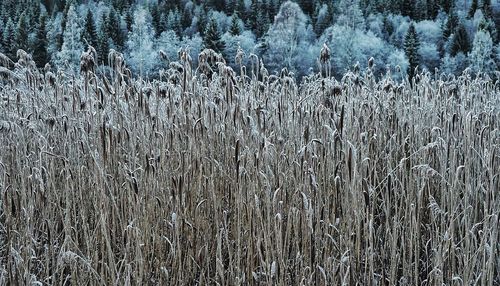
(72, 47)
(411, 46)
(460, 41)
(450, 24)
(489, 26)
(186, 18)
(156, 19)
(472, 9)
(2, 27)
(487, 9)
(481, 57)
(40, 55)
(388, 28)
(64, 7)
(129, 20)
(102, 48)
(89, 32)
(307, 6)
(212, 38)
(262, 23)
(140, 45)
(420, 12)
(241, 9)
(202, 21)
(350, 14)
(9, 39)
(432, 8)
(229, 6)
(235, 25)
(114, 29)
(408, 8)
(446, 5)
(174, 22)
(253, 15)
(22, 33)
(33, 17)
(60, 6)
(323, 18)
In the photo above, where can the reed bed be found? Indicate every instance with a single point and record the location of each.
(209, 176)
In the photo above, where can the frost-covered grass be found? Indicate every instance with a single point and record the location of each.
(245, 181)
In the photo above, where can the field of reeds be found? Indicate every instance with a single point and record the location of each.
(214, 176)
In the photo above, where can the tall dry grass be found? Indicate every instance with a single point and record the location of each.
(210, 176)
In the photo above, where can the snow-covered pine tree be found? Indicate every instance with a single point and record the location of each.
(102, 47)
(140, 45)
(411, 46)
(235, 24)
(114, 29)
(72, 46)
(22, 33)
(9, 39)
(482, 57)
(350, 14)
(212, 38)
(472, 9)
(90, 33)
(460, 41)
(40, 55)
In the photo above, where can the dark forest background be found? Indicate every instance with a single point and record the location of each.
(444, 35)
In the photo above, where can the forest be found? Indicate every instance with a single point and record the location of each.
(446, 36)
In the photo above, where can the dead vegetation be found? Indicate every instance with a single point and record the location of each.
(208, 176)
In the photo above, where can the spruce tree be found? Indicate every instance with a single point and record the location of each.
(202, 22)
(64, 7)
(408, 8)
(129, 20)
(446, 5)
(472, 9)
(33, 17)
(212, 38)
(174, 22)
(241, 9)
(350, 14)
(307, 6)
(420, 12)
(89, 32)
(253, 15)
(9, 39)
(22, 33)
(72, 47)
(102, 48)
(489, 26)
(487, 10)
(450, 24)
(114, 29)
(140, 44)
(40, 55)
(186, 18)
(262, 23)
(229, 6)
(482, 57)
(60, 6)
(432, 9)
(156, 19)
(411, 46)
(388, 28)
(2, 26)
(235, 25)
(460, 41)
(323, 18)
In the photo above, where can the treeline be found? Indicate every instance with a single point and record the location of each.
(426, 34)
